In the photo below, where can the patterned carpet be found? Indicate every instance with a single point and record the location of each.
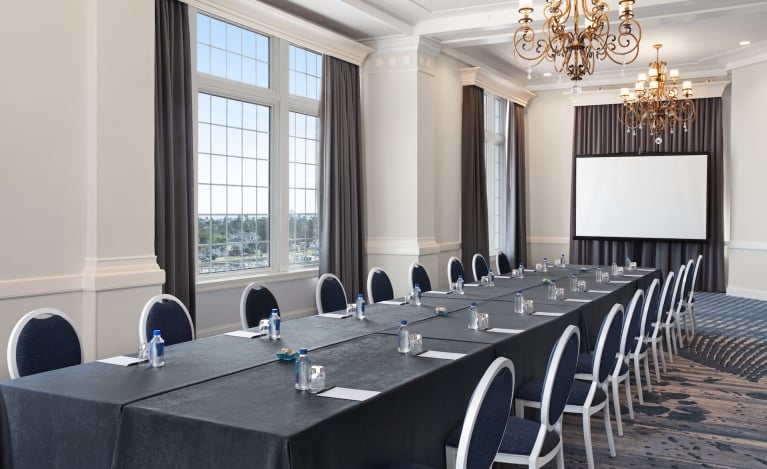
(731, 335)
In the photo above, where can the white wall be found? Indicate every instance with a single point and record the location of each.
(549, 121)
(747, 166)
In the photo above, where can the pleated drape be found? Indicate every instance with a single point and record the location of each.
(341, 188)
(174, 158)
(598, 131)
(474, 234)
(515, 245)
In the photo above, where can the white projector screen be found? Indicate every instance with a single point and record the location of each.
(641, 197)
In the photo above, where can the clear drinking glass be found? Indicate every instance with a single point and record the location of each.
(317, 379)
(143, 354)
(527, 307)
(483, 321)
(416, 344)
(581, 285)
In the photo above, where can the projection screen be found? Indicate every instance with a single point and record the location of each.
(662, 196)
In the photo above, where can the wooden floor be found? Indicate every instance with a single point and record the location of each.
(696, 417)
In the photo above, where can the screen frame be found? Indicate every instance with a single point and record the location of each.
(573, 208)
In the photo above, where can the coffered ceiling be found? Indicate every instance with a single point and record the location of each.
(700, 37)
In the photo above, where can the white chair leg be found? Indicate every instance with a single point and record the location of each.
(662, 356)
(451, 454)
(679, 331)
(647, 372)
(609, 429)
(655, 361)
(692, 317)
(587, 438)
(560, 459)
(628, 397)
(638, 379)
(668, 334)
(617, 403)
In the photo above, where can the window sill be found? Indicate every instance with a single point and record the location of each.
(241, 280)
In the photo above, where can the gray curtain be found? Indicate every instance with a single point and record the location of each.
(515, 245)
(174, 161)
(474, 238)
(342, 195)
(598, 131)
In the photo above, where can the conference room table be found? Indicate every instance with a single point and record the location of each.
(228, 401)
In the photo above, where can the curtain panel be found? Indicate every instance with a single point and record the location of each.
(597, 130)
(515, 245)
(174, 160)
(474, 235)
(342, 195)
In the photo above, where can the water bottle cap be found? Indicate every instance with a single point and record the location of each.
(545, 258)
(519, 292)
(403, 322)
(460, 276)
(573, 274)
(359, 295)
(156, 332)
(417, 286)
(472, 304)
(302, 351)
(274, 311)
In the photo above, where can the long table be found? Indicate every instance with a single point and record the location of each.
(228, 401)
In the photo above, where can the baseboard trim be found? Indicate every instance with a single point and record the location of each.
(747, 293)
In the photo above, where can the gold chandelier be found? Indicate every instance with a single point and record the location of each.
(576, 50)
(656, 103)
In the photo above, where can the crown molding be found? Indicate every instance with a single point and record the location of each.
(272, 21)
(714, 89)
(401, 53)
(498, 85)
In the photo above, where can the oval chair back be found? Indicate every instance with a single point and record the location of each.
(486, 416)
(168, 314)
(633, 323)
(419, 275)
(256, 303)
(379, 286)
(664, 304)
(454, 269)
(330, 294)
(676, 293)
(608, 342)
(560, 373)
(43, 340)
(478, 266)
(502, 264)
(651, 301)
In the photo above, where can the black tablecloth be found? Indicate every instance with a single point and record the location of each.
(257, 419)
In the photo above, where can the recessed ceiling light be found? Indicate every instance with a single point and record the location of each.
(547, 74)
(744, 43)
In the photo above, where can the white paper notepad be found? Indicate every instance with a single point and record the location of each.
(392, 302)
(620, 281)
(501, 330)
(577, 300)
(348, 393)
(245, 334)
(646, 270)
(441, 355)
(502, 276)
(546, 313)
(632, 275)
(440, 292)
(470, 284)
(121, 360)
(599, 291)
(334, 315)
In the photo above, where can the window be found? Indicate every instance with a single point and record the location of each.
(495, 163)
(257, 150)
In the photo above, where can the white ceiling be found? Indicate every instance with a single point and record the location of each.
(699, 37)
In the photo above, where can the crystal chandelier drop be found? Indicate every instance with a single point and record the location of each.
(657, 103)
(575, 49)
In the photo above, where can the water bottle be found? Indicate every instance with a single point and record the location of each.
(545, 264)
(403, 337)
(417, 294)
(274, 324)
(303, 370)
(360, 309)
(573, 282)
(614, 269)
(628, 264)
(156, 350)
(518, 302)
(490, 277)
(471, 315)
(459, 285)
(521, 270)
(599, 274)
(562, 260)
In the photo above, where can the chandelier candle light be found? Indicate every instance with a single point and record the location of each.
(656, 103)
(576, 49)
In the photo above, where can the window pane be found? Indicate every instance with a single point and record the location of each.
(303, 238)
(303, 74)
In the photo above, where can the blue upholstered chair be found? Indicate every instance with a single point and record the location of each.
(690, 299)
(654, 336)
(454, 269)
(379, 286)
(502, 264)
(43, 340)
(587, 398)
(532, 443)
(476, 441)
(256, 303)
(478, 266)
(419, 275)
(685, 303)
(168, 314)
(649, 313)
(671, 328)
(330, 294)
